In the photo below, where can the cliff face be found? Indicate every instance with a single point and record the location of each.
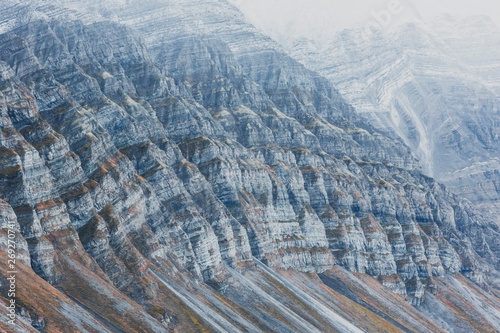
(433, 84)
(190, 182)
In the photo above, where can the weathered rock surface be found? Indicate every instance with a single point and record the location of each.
(433, 84)
(152, 170)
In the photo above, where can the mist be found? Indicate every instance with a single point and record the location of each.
(318, 19)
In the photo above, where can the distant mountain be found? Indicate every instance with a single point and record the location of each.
(435, 85)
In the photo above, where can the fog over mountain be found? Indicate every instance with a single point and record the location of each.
(321, 17)
(431, 80)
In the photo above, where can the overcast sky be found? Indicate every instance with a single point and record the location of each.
(320, 16)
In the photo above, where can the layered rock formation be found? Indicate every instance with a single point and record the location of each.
(433, 84)
(186, 181)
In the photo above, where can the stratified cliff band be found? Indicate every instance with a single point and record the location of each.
(178, 172)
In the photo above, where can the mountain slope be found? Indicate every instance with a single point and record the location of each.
(432, 84)
(209, 189)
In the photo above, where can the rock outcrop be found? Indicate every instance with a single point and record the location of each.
(172, 165)
(432, 84)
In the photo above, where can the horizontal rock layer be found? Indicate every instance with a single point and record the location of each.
(433, 84)
(169, 165)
